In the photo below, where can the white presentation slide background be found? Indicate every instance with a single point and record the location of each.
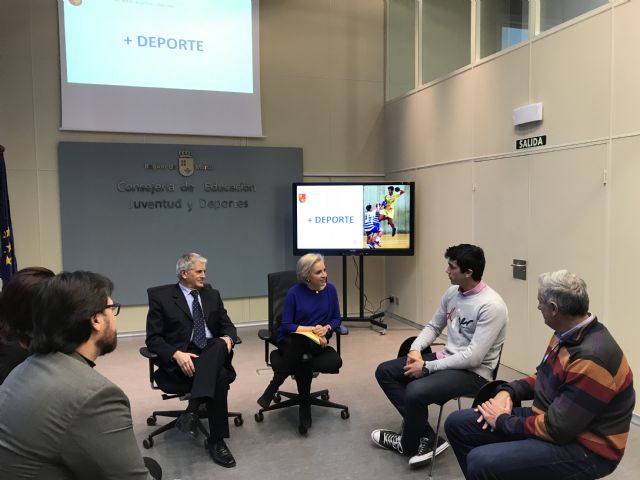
(109, 42)
(131, 109)
(327, 202)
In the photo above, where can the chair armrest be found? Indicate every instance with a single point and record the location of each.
(487, 391)
(148, 354)
(264, 334)
(145, 352)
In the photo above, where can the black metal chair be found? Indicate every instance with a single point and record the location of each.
(170, 390)
(278, 285)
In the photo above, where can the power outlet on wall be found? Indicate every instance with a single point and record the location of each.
(393, 299)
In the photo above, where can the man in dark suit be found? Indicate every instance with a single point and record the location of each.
(188, 327)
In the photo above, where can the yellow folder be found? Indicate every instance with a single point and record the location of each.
(310, 335)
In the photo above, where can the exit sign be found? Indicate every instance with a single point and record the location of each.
(531, 142)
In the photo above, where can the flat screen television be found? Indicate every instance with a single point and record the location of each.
(353, 218)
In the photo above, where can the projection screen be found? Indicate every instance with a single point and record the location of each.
(160, 66)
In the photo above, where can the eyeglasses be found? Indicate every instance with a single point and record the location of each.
(115, 307)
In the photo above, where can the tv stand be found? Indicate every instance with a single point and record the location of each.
(372, 319)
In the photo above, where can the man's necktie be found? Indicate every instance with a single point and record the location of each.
(199, 337)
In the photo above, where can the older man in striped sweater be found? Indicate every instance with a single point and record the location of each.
(583, 400)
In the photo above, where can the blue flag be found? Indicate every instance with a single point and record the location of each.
(8, 264)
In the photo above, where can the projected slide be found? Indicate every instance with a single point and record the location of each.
(160, 66)
(330, 217)
(201, 45)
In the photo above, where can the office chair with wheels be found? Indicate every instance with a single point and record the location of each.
(278, 285)
(159, 381)
(479, 397)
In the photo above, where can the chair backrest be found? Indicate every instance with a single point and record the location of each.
(403, 351)
(278, 284)
(487, 392)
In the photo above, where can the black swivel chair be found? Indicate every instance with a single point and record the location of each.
(486, 392)
(278, 285)
(160, 381)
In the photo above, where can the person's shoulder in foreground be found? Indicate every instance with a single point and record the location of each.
(54, 403)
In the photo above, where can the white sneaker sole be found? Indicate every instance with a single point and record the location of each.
(419, 460)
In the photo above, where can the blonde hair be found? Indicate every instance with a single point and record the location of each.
(305, 264)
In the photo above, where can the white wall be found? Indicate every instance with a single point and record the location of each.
(322, 89)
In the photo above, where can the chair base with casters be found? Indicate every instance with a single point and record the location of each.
(319, 398)
(175, 414)
(278, 284)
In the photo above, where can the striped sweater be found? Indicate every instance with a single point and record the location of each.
(582, 391)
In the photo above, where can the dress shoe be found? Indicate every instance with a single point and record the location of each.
(221, 455)
(267, 397)
(187, 423)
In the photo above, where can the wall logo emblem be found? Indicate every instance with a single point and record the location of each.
(302, 197)
(186, 165)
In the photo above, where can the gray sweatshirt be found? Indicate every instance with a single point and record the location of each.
(476, 328)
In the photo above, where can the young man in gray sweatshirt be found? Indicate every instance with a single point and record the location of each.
(476, 318)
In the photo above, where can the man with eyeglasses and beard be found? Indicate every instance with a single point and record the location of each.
(59, 418)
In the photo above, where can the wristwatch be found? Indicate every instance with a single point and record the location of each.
(425, 370)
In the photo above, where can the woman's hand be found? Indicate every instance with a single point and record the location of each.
(323, 342)
(320, 330)
(302, 328)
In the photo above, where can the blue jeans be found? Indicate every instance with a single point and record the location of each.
(485, 455)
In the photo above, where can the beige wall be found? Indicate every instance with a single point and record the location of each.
(572, 204)
(322, 89)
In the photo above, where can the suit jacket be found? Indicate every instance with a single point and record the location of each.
(61, 419)
(170, 324)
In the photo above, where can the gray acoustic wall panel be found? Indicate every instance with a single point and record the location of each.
(129, 210)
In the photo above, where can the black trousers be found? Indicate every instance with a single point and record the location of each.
(301, 357)
(210, 383)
